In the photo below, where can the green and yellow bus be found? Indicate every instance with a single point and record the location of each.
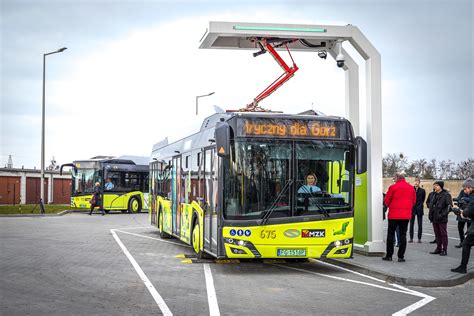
(236, 189)
(124, 182)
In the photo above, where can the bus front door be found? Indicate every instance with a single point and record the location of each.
(210, 188)
(176, 194)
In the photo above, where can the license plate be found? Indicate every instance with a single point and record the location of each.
(291, 252)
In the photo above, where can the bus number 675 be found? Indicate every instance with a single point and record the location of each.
(268, 234)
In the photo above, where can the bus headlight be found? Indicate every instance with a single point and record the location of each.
(241, 243)
(237, 242)
(337, 243)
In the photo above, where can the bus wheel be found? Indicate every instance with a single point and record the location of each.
(163, 235)
(196, 241)
(134, 205)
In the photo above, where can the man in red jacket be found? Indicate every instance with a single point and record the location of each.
(400, 199)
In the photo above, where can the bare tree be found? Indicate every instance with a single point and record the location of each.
(431, 170)
(393, 163)
(464, 169)
(447, 169)
(417, 168)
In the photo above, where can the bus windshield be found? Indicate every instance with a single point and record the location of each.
(84, 180)
(287, 178)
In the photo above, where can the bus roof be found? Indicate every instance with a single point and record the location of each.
(124, 159)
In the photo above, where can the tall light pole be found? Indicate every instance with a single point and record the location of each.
(42, 122)
(201, 96)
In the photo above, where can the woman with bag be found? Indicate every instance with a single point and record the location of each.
(96, 200)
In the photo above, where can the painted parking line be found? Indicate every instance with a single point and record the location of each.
(211, 291)
(426, 298)
(405, 311)
(154, 238)
(214, 306)
(156, 296)
(453, 238)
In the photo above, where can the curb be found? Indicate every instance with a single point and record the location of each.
(43, 215)
(461, 279)
(32, 215)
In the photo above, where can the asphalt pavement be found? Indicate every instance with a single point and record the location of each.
(117, 264)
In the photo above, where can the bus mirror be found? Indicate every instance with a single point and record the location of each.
(74, 169)
(223, 139)
(361, 155)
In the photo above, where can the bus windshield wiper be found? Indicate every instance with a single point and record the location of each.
(269, 212)
(320, 207)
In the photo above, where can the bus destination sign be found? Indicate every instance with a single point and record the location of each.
(289, 128)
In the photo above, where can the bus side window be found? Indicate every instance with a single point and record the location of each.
(194, 168)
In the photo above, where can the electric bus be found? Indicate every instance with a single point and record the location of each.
(236, 189)
(123, 180)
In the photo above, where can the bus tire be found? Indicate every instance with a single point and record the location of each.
(196, 241)
(163, 235)
(134, 205)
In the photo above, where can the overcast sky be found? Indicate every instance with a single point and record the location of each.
(133, 68)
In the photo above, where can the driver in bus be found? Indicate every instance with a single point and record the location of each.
(108, 184)
(310, 186)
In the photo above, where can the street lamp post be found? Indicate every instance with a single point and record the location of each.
(42, 122)
(201, 96)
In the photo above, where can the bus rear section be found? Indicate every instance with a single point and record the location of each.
(123, 181)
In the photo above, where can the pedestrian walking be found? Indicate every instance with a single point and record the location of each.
(400, 199)
(467, 213)
(438, 215)
(96, 200)
(417, 212)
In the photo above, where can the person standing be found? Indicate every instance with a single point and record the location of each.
(463, 199)
(417, 212)
(400, 199)
(428, 201)
(468, 214)
(96, 200)
(438, 215)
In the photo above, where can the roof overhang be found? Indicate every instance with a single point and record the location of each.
(240, 35)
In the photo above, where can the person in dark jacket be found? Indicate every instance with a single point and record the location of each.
(467, 213)
(462, 197)
(96, 200)
(428, 201)
(417, 212)
(440, 205)
(399, 199)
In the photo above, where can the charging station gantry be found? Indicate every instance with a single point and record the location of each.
(324, 39)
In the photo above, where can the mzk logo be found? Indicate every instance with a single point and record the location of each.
(313, 233)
